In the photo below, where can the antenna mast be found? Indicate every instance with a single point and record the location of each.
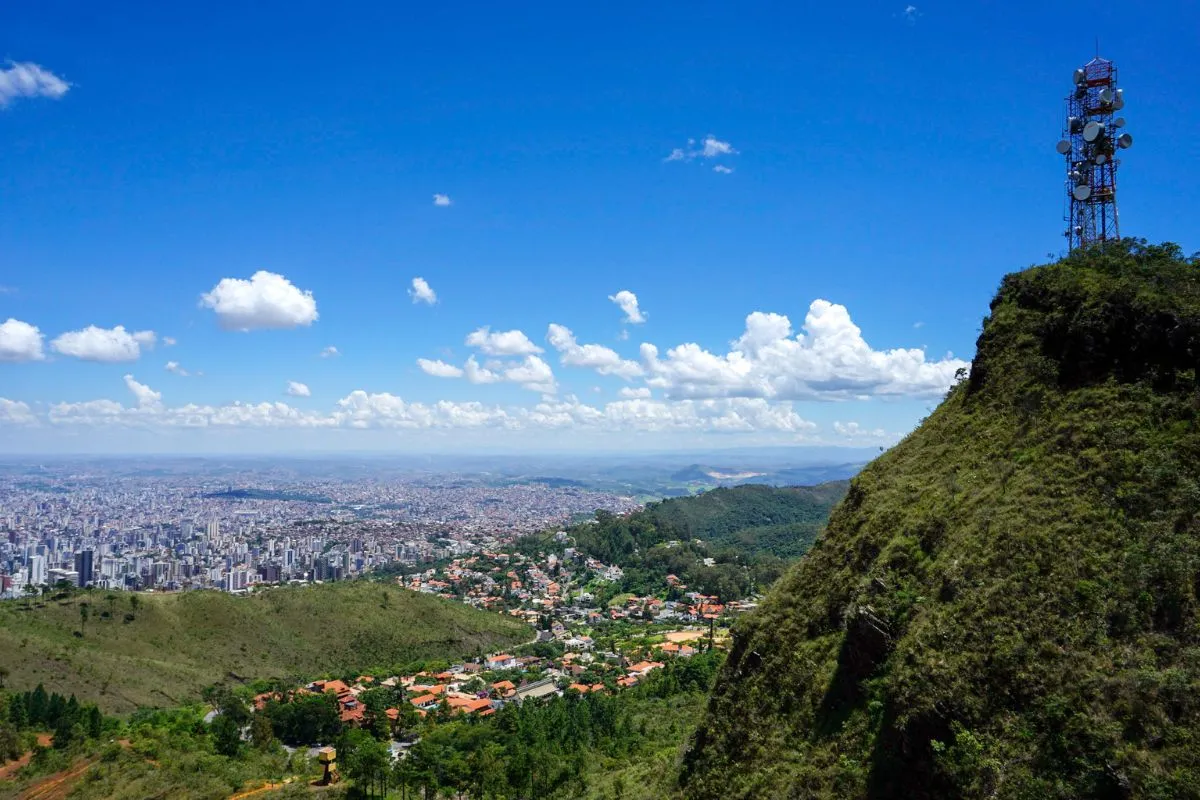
(1091, 137)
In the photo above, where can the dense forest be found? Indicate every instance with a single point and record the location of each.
(1006, 603)
(749, 532)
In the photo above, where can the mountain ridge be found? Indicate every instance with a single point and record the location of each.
(1005, 603)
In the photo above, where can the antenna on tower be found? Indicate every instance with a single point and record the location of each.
(1092, 136)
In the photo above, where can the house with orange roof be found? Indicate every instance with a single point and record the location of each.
(500, 661)
(425, 702)
(582, 688)
(645, 667)
(504, 688)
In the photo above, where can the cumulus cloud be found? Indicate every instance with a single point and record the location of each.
(709, 147)
(364, 410)
(911, 13)
(168, 341)
(26, 79)
(531, 373)
(714, 147)
(627, 301)
(853, 430)
(442, 200)
(602, 359)
(632, 393)
(501, 343)
(266, 301)
(20, 341)
(174, 368)
(439, 369)
(15, 412)
(108, 345)
(422, 292)
(145, 396)
(298, 389)
(722, 169)
(330, 352)
(829, 361)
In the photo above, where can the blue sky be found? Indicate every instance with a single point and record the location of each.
(882, 166)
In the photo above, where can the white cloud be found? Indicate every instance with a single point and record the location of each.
(15, 412)
(297, 389)
(918, 325)
(910, 14)
(20, 341)
(722, 169)
(853, 430)
(174, 368)
(710, 147)
(169, 341)
(602, 359)
(631, 393)
(533, 374)
(107, 345)
(26, 79)
(421, 292)
(266, 301)
(442, 200)
(439, 369)
(145, 396)
(628, 302)
(330, 352)
(829, 361)
(714, 147)
(501, 343)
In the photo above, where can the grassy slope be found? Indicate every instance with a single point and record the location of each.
(1005, 604)
(179, 643)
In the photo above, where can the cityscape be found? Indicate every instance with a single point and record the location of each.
(117, 527)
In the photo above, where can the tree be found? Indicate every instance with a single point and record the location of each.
(85, 611)
(261, 732)
(367, 762)
(134, 603)
(227, 736)
(30, 591)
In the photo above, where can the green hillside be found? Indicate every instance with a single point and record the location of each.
(750, 532)
(1005, 604)
(178, 643)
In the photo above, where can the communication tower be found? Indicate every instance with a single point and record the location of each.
(1092, 136)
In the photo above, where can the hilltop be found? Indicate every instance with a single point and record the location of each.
(176, 644)
(1005, 604)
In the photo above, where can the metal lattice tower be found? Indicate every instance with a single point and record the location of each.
(1091, 137)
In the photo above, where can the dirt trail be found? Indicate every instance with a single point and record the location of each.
(58, 785)
(11, 768)
(265, 788)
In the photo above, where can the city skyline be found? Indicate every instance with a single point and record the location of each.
(769, 228)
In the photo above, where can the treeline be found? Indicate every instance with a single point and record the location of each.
(65, 717)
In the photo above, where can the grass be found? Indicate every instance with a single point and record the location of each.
(179, 643)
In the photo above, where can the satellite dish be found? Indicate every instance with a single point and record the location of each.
(1082, 192)
(1074, 124)
(1119, 122)
(1101, 158)
(1078, 230)
(1080, 76)
(1076, 176)
(1119, 100)
(1063, 147)
(1093, 131)
(1124, 140)
(1106, 96)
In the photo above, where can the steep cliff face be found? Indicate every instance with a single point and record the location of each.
(1005, 604)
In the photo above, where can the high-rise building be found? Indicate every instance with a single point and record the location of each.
(214, 529)
(83, 565)
(37, 570)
